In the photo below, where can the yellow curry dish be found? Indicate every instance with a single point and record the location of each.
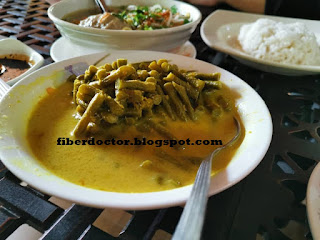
(134, 127)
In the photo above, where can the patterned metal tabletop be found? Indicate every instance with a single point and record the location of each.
(268, 204)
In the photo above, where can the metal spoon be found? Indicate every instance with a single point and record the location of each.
(191, 221)
(2, 69)
(4, 87)
(102, 5)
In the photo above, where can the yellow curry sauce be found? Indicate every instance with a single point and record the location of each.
(125, 168)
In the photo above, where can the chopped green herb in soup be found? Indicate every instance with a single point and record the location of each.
(130, 17)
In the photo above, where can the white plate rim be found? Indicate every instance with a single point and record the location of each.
(216, 43)
(313, 202)
(142, 201)
(60, 41)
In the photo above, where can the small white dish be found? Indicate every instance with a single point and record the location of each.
(13, 46)
(16, 107)
(313, 202)
(63, 49)
(220, 31)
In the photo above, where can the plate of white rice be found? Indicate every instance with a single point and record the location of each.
(287, 46)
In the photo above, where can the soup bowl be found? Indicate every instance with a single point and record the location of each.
(161, 40)
(16, 108)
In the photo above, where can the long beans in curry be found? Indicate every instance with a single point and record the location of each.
(125, 93)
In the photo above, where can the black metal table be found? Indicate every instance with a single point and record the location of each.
(268, 204)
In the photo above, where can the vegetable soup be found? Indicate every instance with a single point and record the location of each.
(130, 17)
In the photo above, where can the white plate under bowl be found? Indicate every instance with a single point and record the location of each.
(313, 202)
(13, 46)
(17, 104)
(220, 31)
(63, 49)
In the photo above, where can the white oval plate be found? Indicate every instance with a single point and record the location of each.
(17, 104)
(63, 49)
(313, 202)
(220, 31)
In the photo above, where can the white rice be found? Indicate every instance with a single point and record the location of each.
(279, 42)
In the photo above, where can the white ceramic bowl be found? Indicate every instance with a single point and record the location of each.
(17, 104)
(13, 46)
(160, 40)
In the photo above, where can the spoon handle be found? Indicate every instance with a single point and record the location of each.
(4, 88)
(192, 217)
(101, 4)
(191, 220)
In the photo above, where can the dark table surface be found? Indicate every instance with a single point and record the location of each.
(268, 204)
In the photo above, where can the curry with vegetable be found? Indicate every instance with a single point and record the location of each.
(134, 102)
